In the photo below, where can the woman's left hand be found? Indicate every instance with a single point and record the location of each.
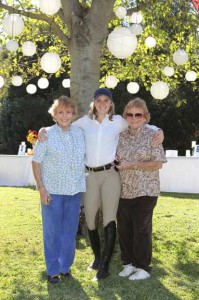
(158, 138)
(126, 165)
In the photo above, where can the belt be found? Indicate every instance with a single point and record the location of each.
(102, 168)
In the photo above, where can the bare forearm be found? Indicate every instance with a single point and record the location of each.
(145, 166)
(37, 174)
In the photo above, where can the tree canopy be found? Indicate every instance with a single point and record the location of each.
(78, 33)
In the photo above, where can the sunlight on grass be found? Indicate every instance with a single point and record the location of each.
(175, 267)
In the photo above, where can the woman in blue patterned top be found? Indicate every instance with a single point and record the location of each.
(58, 166)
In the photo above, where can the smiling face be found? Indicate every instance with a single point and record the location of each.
(102, 104)
(135, 117)
(64, 116)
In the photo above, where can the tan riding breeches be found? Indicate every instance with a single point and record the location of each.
(102, 191)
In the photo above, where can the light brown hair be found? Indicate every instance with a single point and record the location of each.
(63, 102)
(93, 111)
(139, 103)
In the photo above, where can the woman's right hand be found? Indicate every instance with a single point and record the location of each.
(42, 134)
(44, 196)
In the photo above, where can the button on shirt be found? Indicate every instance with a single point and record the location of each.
(102, 138)
(61, 158)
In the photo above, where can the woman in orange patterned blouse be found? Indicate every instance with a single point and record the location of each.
(139, 164)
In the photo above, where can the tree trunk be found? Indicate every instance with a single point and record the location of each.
(85, 75)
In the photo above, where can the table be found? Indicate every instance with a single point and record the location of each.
(180, 174)
(16, 170)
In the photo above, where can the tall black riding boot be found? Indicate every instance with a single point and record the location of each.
(95, 245)
(109, 243)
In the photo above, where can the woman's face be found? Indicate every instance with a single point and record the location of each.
(135, 117)
(64, 116)
(102, 104)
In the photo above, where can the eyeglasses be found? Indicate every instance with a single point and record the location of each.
(136, 116)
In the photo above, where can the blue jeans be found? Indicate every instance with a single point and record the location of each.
(60, 224)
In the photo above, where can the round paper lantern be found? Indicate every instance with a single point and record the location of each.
(133, 87)
(1, 81)
(180, 57)
(12, 46)
(17, 80)
(50, 62)
(121, 12)
(168, 71)
(150, 42)
(111, 81)
(136, 29)
(121, 42)
(191, 76)
(43, 83)
(31, 88)
(66, 83)
(159, 90)
(28, 48)
(13, 24)
(49, 7)
(136, 17)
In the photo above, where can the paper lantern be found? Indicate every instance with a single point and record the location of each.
(12, 46)
(121, 12)
(180, 57)
(159, 90)
(49, 7)
(50, 62)
(191, 76)
(28, 48)
(31, 88)
(136, 29)
(111, 81)
(43, 83)
(168, 71)
(121, 42)
(17, 80)
(150, 42)
(13, 24)
(133, 87)
(1, 81)
(136, 18)
(66, 83)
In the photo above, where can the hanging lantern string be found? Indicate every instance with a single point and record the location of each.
(13, 19)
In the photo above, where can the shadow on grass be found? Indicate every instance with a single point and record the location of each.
(180, 196)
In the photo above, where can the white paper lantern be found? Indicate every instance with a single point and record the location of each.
(17, 80)
(121, 12)
(150, 42)
(168, 71)
(12, 46)
(121, 42)
(49, 7)
(111, 81)
(159, 90)
(31, 88)
(1, 81)
(136, 17)
(43, 83)
(50, 62)
(133, 87)
(180, 57)
(28, 48)
(191, 76)
(136, 29)
(66, 83)
(13, 24)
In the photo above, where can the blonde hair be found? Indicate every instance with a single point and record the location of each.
(93, 111)
(63, 102)
(138, 103)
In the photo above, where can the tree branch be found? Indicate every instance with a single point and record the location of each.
(41, 17)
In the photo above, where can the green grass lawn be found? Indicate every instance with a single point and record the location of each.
(175, 265)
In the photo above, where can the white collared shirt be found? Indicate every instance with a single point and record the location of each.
(101, 138)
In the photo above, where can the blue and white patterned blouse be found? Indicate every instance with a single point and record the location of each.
(61, 158)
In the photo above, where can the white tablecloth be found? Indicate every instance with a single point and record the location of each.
(180, 174)
(16, 170)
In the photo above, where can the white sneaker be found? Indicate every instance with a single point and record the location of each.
(128, 270)
(140, 274)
